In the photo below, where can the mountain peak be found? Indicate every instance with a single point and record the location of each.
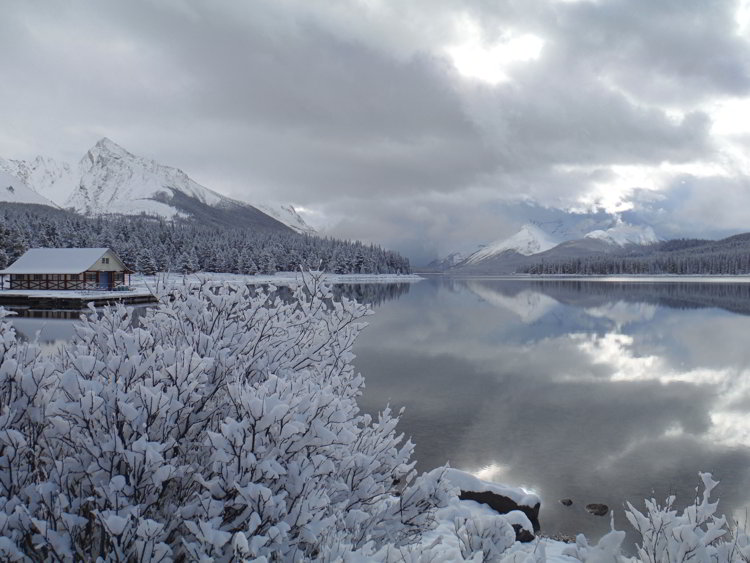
(530, 239)
(108, 146)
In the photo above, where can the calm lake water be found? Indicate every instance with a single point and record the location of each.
(594, 391)
(597, 392)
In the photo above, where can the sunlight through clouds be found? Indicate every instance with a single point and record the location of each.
(491, 62)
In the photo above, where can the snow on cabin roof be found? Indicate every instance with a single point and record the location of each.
(55, 261)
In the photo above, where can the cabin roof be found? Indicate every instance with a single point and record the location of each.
(57, 261)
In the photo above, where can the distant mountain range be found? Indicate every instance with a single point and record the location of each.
(109, 180)
(620, 248)
(533, 243)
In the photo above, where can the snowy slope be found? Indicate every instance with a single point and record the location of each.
(623, 233)
(113, 180)
(289, 216)
(47, 177)
(13, 190)
(529, 240)
(110, 179)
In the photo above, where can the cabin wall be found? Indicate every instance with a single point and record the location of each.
(114, 265)
(89, 280)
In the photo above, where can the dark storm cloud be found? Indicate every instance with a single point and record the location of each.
(356, 109)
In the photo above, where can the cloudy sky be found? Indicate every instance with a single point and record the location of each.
(413, 124)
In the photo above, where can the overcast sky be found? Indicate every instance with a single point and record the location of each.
(410, 124)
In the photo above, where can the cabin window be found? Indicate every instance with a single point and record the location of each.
(91, 277)
(38, 276)
(105, 260)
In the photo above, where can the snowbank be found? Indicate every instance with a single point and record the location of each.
(468, 483)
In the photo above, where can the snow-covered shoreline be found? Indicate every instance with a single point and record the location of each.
(635, 278)
(280, 278)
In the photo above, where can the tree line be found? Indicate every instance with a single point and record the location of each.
(148, 244)
(730, 256)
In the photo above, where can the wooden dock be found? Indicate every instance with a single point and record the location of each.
(74, 300)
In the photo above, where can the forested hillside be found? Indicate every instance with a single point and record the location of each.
(729, 256)
(149, 244)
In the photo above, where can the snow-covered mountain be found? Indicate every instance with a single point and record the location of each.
(52, 179)
(529, 240)
(109, 179)
(289, 216)
(13, 190)
(447, 262)
(623, 234)
(570, 237)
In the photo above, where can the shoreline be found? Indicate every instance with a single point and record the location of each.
(280, 278)
(635, 278)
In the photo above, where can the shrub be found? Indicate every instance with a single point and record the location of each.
(224, 424)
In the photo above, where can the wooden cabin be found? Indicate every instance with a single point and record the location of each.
(66, 268)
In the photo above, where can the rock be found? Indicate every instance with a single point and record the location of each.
(502, 505)
(566, 502)
(520, 507)
(597, 509)
(522, 535)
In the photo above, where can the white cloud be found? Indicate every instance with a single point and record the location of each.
(491, 61)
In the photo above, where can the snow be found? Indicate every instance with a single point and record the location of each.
(624, 233)
(109, 179)
(468, 482)
(249, 408)
(47, 177)
(13, 190)
(529, 240)
(287, 215)
(55, 261)
(280, 278)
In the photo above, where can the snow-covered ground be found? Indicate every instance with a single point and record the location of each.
(143, 285)
(280, 278)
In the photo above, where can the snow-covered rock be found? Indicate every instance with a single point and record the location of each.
(529, 240)
(13, 190)
(502, 499)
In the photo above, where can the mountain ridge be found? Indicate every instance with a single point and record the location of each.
(109, 179)
(533, 243)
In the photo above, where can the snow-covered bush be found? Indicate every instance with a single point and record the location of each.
(225, 424)
(695, 534)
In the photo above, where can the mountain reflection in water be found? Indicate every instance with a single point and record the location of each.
(600, 392)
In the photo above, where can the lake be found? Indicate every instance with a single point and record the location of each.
(600, 392)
